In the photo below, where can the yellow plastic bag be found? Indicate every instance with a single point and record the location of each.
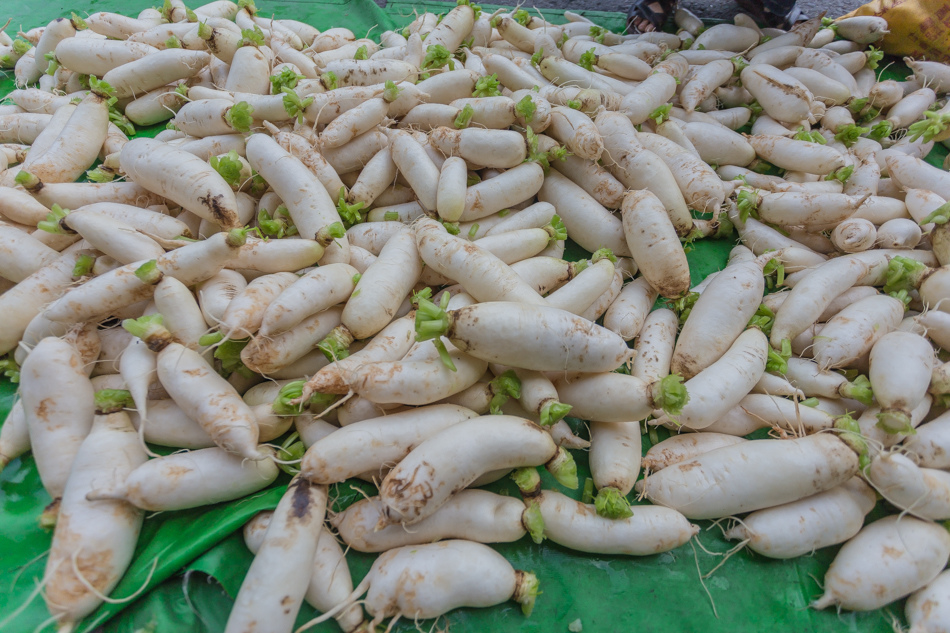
(919, 28)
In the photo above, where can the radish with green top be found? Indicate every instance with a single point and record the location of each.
(575, 525)
(613, 397)
(473, 515)
(452, 459)
(752, 475)
(889, 559)
(801, 527)
(201, 392)
(901, 365)
(815, 381)
(444, 576)
(615, 450)
(721, 385)
(94, 541)
(540, 338)
(268, 354)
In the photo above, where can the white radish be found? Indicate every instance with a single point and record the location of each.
(887, 560)
(801, 527)
(855, 330)
(720, 483)
(921, 492)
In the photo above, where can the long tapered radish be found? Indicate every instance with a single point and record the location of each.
(94, 540)
(440, 466)
(717, 483)
(330, 580)
(718, 317)
(685, 446)
(366, 446)
(588, 223)
(475, 515)
(887, 560)
(286, 555)
(577, 526)
(801, 527)
(197, 389)
(855, 330)
(315, 292)
(58, 402)
(922, 492)
(653, 243)
(531, 337)
(180, 177)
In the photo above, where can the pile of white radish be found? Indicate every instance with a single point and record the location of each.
(343, 259)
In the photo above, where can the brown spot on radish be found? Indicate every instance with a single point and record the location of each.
(892, 552)
(300, 505)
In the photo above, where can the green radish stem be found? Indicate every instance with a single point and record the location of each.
(112, 400)
(294, 105)
(330, 232)
(528, 480)
(774, 266)
(464, 117)
(611, 504)
(252, 37)
(229, 353)
(329, 80)
(809, 402)
(533, 522)
(850, 434)
(588, 59)
(526, 591)
(236, 238)
(84, 264)
(10, 369)
(587, 497)
(228, 166)
(930, 126)
(391, 92)
(432, 321)
(683, 306)
(211, 338)
(502, 388)
(848, 134)
(283, 403)
(526, 108)
(336, 345)
(361, 53)
(563, 468)
(895, 422)
(557, 230)
(763, 319)
(101, 174)
(149, 328)
(277, 225)
(940, 215)
(437, 56)
(602, 253)
(487, 87)
(903, 273)
(874, 56)
(748, 203)
(661, 114)
(778, 359)
(54, 221)
(349, 213)
(292, 450)
(669, 394)
(842, 174)
(239, 116)
(880, 130)
(552, 411)
(858, 389)
(148, 273)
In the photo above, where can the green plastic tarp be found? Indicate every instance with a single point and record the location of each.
(189, 565)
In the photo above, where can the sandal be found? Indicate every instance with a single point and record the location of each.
(655, 12)
(772, 16)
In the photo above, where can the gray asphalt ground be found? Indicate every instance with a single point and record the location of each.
(720, 9)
